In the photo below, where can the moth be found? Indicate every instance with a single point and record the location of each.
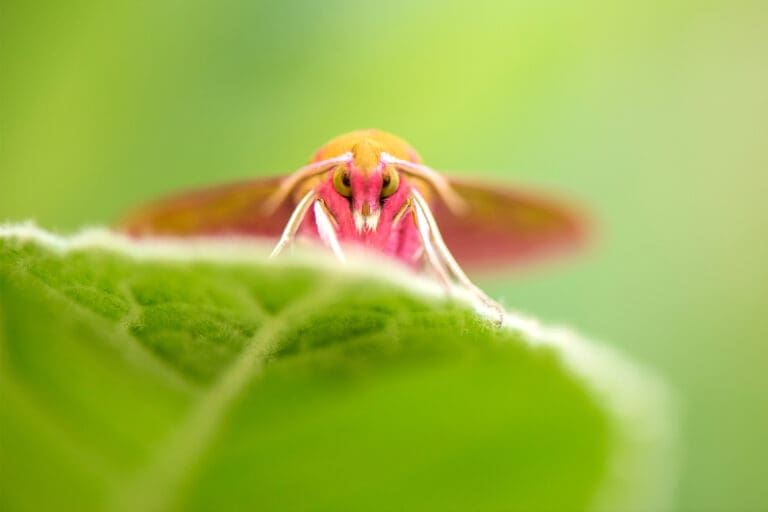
(370, 188)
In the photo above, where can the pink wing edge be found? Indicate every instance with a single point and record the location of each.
(516, 227)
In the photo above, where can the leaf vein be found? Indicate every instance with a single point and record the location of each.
(156, 486)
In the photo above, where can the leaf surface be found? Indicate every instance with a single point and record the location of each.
(184, 383)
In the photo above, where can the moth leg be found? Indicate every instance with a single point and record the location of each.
(406, 208)
(422, 226)
(401, 212)
(297, 217)
(448, 260)
(293, 179)
(326, 227)
(437, 180)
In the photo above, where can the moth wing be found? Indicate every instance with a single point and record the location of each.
(234, 209)
(502, 227)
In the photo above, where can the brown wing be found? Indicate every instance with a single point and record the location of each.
(503, 227)
(235, 209)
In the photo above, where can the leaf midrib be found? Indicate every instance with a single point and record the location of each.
(155, 487)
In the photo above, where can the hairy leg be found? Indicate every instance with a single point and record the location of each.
(294, 223)
(445, 258)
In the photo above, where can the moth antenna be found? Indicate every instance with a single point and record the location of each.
(454, 201)
(325, 227)
(292, 180)
(447, 258)
(294, 222)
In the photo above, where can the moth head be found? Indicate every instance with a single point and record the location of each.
(367, 191)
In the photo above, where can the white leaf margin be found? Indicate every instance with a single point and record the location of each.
(642, 470)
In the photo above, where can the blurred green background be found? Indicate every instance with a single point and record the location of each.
(653, 114)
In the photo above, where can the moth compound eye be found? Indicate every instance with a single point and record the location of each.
(389, 183)
(341, 181)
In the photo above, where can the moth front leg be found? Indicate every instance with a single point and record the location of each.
(422, 227)
(443, 259)
(326, 225)
(294, 223)
(326, 228)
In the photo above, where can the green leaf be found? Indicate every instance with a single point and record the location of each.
(197, 376)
